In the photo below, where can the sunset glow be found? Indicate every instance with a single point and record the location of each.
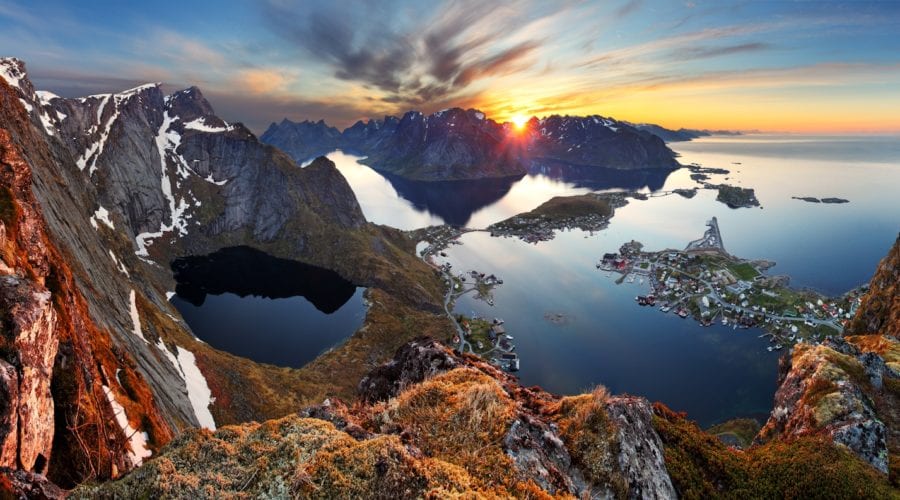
(777, 66)
(519, 121)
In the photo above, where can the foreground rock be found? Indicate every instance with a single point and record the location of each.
(879, 311)
(435, 423)
(830, 389)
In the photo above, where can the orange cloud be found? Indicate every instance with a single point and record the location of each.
(262, 81)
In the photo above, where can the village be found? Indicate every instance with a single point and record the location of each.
(705, 282)
(480, 336)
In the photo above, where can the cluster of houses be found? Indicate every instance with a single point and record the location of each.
(536, 229)
(690, 284)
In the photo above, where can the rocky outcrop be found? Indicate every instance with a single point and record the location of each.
(640, 457)
(879, 310)
(413, 363)
(470, 425)
(30, 333)
(20, 484)
(456, 144)
(830, 389)
(56, 354)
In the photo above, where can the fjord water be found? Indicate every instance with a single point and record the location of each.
(604, 337)
(269, 310)
(713, 373)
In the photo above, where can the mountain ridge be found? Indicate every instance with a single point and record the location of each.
(457, 144)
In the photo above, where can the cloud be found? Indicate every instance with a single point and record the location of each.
(262, 81)
(705, 52)
(438, 57)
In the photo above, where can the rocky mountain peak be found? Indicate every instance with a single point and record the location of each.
(13, 71)
(190, 104)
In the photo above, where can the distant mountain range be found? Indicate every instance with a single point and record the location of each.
(682, 134)
(457, 144)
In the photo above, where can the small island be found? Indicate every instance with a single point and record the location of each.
(733, 196)
(588, 212)
(811, 199)
(736, 197)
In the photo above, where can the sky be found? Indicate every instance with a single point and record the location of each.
(805, 66)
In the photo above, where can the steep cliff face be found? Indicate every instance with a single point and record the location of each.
(459, 144)
(879, 311)
(57, 362)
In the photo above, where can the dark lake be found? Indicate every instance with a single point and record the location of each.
(267, 309)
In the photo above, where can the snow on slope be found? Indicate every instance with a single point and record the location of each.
(200, 124)
(198, 389)
(137, 440)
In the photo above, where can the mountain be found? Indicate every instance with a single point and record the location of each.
(682, 134)
(457, 144)
(100, 195)
(305, 139)
(596, 141)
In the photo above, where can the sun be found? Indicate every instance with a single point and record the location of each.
(519, 121)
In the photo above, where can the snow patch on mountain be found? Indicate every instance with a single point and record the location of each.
(135, 317)
(167, 141)
(101, 215)
(10, 70)
(200, 124)
(119, 264)
(136, 439)
(198, 390)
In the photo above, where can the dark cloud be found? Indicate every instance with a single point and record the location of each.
(413, 66)
(706, 52)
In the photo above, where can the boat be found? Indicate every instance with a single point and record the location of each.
(510, 337)
(682, 313)
(665, 309)
(769, 348)
(778, 347)
(724, 321)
